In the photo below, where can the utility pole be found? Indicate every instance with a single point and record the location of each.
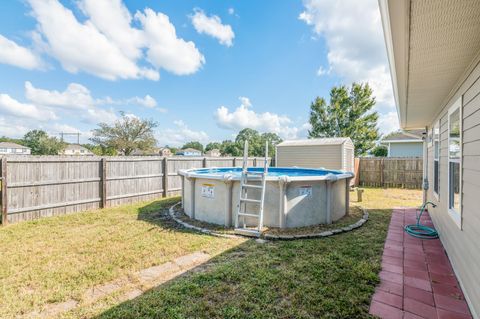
(63, 134)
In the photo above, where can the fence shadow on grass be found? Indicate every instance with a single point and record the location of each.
(156, 213)
(311, 278)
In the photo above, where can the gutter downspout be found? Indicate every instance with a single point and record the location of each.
(425, 164)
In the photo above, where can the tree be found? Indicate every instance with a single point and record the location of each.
(12, 140)
(348, 114)
(230, 148)
(41, 144)
(273, 140)
(379, 151)
(213, 145)
(254, 141)
(127, 134)
(193, 144)
(101, 150)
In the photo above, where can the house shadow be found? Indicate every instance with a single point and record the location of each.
(328, 277)
(175, 292)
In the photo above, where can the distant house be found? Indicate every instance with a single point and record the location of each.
(404, 144)
(189, 152)
(165, 151)
(75, 149)
(213, 153)
(8, 148)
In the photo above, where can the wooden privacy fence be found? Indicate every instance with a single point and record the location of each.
(38, 186)
(406, 172)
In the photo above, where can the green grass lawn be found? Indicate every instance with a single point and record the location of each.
(56, 259)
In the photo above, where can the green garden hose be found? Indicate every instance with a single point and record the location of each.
(421, 231)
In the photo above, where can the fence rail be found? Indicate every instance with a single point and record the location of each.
(405, 172)
(39, 186)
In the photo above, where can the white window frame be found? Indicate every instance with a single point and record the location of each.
(436, 157)
(456, 216)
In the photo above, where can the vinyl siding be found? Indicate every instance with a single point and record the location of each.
(461, 244)
(406, 149)
(315, 156)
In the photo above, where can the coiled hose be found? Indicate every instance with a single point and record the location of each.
(421, 231)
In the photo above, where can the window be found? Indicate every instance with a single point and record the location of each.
(18, 150)
(436, 159)
(454, 162)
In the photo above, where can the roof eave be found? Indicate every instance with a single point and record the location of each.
(397, 26)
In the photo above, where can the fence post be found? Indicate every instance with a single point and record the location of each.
(382, 172)
(104, 182)
(254, 162)
(234, 161)
(3, 182)
(165, 176)
(357, 171)
(204, 162)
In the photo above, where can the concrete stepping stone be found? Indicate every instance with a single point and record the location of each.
(192, 259)
(155, 272)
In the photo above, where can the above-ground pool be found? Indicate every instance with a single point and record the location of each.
(294, 197)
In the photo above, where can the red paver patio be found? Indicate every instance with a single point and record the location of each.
(417, 280)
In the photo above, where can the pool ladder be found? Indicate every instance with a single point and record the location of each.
(249, 181)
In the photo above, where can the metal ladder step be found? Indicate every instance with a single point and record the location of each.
(242, 214)
(255, 173)
(249, 215)
(249, 200)
(252, 186)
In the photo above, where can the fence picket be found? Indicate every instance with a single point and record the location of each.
(41, 186)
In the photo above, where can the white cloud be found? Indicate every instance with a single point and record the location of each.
(231, 11)
(388, 122)
(146, 101)
(114, 20)
(107, 45)
(243, 117)
(78, 97)
(356, 50)
(180, 135)
(165, 50)
(245, 101)
(10, 106)
(16, 55)
(75, 96)
(213, 27)
(322, 71)
(12, 128)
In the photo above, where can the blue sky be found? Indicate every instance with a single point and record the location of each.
(202, 69)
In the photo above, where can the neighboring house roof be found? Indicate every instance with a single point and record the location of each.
(316, 141)
(11, 145)
(404, 136)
